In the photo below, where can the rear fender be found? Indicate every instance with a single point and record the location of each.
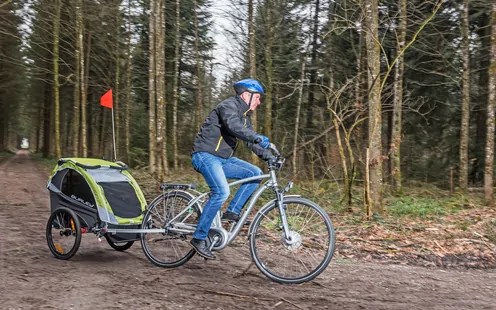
(159, 197)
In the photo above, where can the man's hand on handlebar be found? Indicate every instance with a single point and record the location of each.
(276, 161)
(263, 141)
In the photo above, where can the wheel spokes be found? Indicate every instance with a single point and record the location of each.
(170, 247)
(62, 233)
(302, 251)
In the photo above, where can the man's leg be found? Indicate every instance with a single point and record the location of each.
(236, 168)
(210, 167)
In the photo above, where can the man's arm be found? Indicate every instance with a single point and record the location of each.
(229, 117)
(260, 151)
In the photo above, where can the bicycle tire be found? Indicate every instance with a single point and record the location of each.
(261, 237)
(163, 200)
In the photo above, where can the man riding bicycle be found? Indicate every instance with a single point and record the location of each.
(213, 148)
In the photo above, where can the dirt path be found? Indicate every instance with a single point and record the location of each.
(98, 277)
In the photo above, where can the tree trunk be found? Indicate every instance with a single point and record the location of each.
(398, 102)
(3, 122)
(268, 69)
(199, 94)
(151, 91)
(47, 119)
(39, 120)
(66, 135)
(374, 103)
(297, 120)
(476, 175)
(175, 87)
(77, 85)
(253, 63)
(93, 129)
(489, 166)
(330, 72)
(116, 92)
(251, 36)
(127, 133)
(161, 104)
(347, 194)
(313, 70)
(56, 86)
(361, 84)
(85, 73)
(464, 128)
(359, 79)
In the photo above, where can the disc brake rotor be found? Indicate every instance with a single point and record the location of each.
(293, 242)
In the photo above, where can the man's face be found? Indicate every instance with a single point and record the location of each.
(255, 100)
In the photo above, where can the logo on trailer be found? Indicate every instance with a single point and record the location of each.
(82, 201)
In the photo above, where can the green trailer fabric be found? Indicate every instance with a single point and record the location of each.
(116, 195)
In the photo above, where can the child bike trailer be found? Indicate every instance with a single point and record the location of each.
(92, 195)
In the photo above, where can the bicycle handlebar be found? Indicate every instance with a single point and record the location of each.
(271, 147)
(276, 162)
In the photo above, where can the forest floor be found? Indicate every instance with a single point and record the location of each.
(394, 263)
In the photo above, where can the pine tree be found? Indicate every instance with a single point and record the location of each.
(489, 169)
(11, 75)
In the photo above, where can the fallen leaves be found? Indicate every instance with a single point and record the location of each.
(454, 240)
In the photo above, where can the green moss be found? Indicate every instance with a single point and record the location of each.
(423, 206)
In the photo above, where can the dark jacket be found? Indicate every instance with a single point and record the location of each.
(228, 122)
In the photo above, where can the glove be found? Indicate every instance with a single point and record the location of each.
(263, 141)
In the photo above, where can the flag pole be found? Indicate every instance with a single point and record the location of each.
(113, 134)
(107, 102)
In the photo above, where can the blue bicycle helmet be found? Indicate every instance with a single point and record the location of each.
(248, 85)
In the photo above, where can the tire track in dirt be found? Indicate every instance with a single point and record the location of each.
(97, 276)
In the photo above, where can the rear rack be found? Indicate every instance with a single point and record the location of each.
(166, 186)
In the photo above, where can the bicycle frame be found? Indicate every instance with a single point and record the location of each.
(229, 236)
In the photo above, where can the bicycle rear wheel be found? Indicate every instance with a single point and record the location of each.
(302, 256)
(171, 248)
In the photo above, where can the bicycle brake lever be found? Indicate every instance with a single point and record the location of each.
(273, 148)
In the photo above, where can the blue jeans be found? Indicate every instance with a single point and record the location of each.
(216, 171)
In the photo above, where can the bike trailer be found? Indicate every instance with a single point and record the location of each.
(103, 194)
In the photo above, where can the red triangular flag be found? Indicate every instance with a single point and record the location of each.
(106, 100)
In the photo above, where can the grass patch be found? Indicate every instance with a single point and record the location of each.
(5, 155)
(423, 206)
(48, 162)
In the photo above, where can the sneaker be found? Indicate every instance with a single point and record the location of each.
(230, 216)
(233, 217)
(201, 248)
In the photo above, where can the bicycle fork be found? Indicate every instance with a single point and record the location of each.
(282, 214)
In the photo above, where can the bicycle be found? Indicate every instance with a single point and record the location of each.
(275, 234)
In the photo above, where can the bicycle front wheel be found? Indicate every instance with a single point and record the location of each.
(304, 253)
